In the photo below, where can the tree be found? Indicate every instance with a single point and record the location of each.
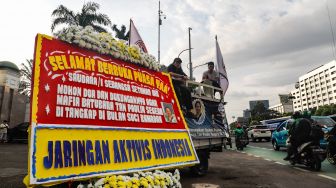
(26, 77)
(121, 33)
(87, 17)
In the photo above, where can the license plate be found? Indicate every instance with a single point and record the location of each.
(318, 150)
(263, 131)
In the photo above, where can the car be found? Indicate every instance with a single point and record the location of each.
(280, 135)
(259, 132)
(19, 132)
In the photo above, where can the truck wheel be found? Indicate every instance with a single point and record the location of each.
(202, 168)
(316, 165)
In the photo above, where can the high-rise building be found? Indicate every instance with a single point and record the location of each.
(246, 113)
(316, 88)
(255, 102)
(285, 106)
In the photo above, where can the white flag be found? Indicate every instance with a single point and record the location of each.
(135, 38)
(224, 82)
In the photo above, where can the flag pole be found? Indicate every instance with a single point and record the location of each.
(129, 35)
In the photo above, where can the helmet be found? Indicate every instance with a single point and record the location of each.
(296, 115)
(306, 114)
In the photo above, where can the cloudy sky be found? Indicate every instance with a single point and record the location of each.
(266, 44)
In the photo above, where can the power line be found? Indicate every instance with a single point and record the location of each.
(332, 32)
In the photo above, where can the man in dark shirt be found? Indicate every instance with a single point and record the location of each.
(182, 92)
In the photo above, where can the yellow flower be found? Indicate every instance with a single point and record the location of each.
(162, 183)
(106, 186)
(112, 184)
(144, 183)
(120, 178)
(129, 184)
(135, 186)
(157, 182)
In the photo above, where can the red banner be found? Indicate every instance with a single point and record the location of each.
(79, 87)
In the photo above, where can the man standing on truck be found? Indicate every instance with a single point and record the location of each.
(211, 76)
(182, 92)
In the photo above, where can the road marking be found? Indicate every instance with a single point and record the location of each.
(267, 159)
(261, 148)
(279, 163)
(303, 170)
(328, 177)
(256, 156)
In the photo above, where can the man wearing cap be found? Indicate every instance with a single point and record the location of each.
(182, 92)
(211, 76)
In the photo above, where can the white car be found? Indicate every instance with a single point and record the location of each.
(259, 132)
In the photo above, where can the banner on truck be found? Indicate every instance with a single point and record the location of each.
(93, 115)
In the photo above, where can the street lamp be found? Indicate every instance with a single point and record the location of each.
(183, 51)
(160, 23)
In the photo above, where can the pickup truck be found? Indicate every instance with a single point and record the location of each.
(210, 131)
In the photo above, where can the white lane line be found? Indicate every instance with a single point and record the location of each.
(261, 148)
(256, 156)
(279, 163)
(303, 170)
(328, 177)
(267, 159)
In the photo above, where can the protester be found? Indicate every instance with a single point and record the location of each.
(211, 76)
(182, 92)
(3, 131)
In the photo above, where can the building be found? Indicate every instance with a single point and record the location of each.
(254, 103)
(12, 103)
(316, 88)
(242, 120)
(246, 113)
(285, 106)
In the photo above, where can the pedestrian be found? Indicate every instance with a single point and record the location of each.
(3, 131)
(182, 92)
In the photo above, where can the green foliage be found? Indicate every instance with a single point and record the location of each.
(233, 125)
(26, 77)
(260, 113)
(88, 16)
(121, 33)
(324, 110)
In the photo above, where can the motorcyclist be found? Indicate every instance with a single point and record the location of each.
(299, 132)
(332, 140)
(239, 132)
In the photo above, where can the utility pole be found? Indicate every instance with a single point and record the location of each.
(190, 63)
(160, 23)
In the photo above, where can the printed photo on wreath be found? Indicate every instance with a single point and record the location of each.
(169, 113)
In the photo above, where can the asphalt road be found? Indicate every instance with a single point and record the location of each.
(227, 169)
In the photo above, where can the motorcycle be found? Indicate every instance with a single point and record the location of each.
(331, 156)
(309, 154)
(241, 142)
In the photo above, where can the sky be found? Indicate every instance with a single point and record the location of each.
(266, 44)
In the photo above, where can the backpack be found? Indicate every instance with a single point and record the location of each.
(316, 133)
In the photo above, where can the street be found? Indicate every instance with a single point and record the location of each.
(257, 166)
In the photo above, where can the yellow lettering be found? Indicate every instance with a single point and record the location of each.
(59, 62)
(80, 62)
(72, 62)
(52, 62)
(66, 66)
